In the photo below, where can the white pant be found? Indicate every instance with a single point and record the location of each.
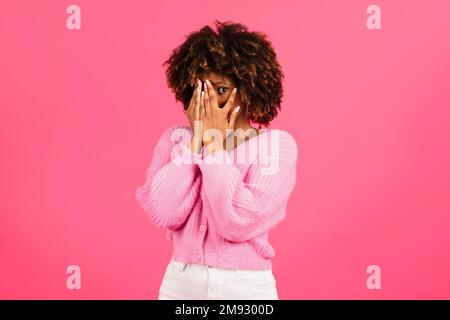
(186, 281)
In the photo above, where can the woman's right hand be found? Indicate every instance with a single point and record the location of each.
(193, 114)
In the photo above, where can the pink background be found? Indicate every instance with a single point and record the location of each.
(81, 111)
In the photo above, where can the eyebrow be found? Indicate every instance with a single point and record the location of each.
(218, 82)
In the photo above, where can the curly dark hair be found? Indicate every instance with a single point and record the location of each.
(248, 58)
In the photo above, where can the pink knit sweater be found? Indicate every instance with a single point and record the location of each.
(218, 208)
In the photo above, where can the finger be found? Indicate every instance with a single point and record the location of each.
(202, 104)
(195, 99)
(230, 101)
(212, 96)
(198, 92)
(233, 117)
(197, 104)
(194, 96)
(208, 106)
(197, 118)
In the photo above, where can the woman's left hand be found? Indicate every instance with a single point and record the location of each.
(213, 117)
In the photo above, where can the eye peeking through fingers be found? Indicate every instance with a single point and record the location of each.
(225, 90)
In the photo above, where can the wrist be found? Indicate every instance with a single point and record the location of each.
(212, 147)
(195, 146)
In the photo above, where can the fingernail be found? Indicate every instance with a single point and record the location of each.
(203, 92)
(234, 90)
(237, 109)
(207, 83)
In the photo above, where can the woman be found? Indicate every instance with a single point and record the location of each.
(219, 194)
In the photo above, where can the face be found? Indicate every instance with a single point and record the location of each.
(223, 86)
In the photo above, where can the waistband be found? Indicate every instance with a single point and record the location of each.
(183, 265)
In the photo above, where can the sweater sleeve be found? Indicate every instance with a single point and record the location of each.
(242, 208)
(173, 181)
